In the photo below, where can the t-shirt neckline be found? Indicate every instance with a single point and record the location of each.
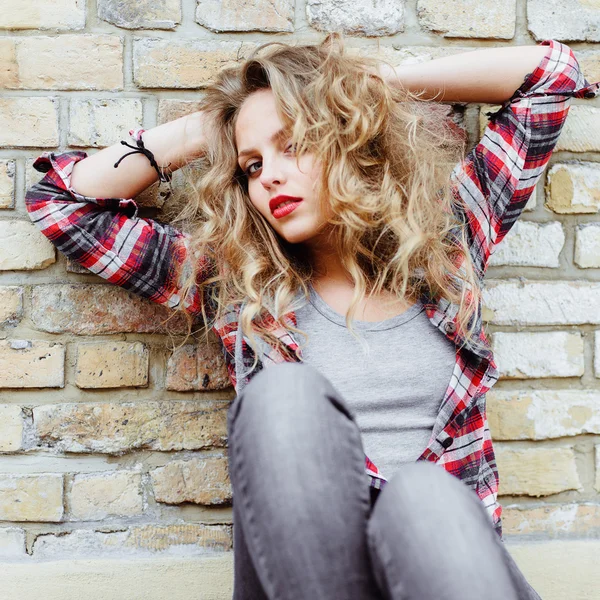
(335, 317)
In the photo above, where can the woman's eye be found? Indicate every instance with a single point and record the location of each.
(249, 169)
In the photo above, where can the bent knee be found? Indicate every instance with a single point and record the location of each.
(422, 497)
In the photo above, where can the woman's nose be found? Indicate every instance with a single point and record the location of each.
(271, 174)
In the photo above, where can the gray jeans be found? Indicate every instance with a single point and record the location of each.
(305, 526)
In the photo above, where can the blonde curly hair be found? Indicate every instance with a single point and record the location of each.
(386, 161)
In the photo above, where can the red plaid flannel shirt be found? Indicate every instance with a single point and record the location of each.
(491, 185)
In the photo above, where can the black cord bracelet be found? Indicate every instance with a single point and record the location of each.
(143, 150)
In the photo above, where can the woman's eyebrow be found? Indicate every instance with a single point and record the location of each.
(278, 134)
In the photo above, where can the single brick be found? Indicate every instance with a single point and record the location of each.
(539, 354)
(160, 538)
(494, 19)
(542, 414)
(100, 121)
(27, 364)
(574, 188)
(99, 309)
(536, 471)
(515, 302)
(115, 428)
(7, 183)
(193, 368)
(178, 63)
(140, 14)
(42, 14)
(357, 18)
(553, 521)
(530, 245)
(23, 247)
(38, 68)
(587, 246)
(570, 20)
(589, 61)
(12, 543)
(199, 480)
(11, 428)
(111, 365)
(95, 496)
(189, 539)
(169, 109)
(11, 305)
(28, 122)
(36, 497)
(238, 15)
(581, 131)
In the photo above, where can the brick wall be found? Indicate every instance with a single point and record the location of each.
(112, 444)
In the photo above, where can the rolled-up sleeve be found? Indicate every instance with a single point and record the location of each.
(497, 177)
(106, 236)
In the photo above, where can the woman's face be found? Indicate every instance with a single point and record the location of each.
(266, 156)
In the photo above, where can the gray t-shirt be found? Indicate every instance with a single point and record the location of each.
(394, 387)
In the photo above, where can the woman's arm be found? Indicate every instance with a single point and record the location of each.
(488, 75)
(84, 206)
(173, 144)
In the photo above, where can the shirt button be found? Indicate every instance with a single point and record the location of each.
(449, 327)
(447, 442)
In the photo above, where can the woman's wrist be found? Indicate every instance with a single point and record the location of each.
(177, 142)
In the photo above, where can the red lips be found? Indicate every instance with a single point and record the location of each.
(277, 200)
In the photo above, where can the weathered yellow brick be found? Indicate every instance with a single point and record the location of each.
(386, 17)
(194, 367)
(199, 480)
(573, 188)
(24, 247)
(469, 18)
(11, 305)
(169, 109)
(173, 63)
(115, 428)
(553, 521)
(581, 131)
(90, 309)
(162, 537)
(42, 14)
(11, 428)
(36, 497)
(133, 14)
(101, 121)
(571, 20)
(536, 471)
(7, 183)
(111, 364)
(525, 355)
(28, 122)
(27, 364)
(542, 414)
(39, 69)
(95, 496)
(237, 15)
(587, 246)
(589, 61)
(188, 539)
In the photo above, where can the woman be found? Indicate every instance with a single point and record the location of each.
(327, 190)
